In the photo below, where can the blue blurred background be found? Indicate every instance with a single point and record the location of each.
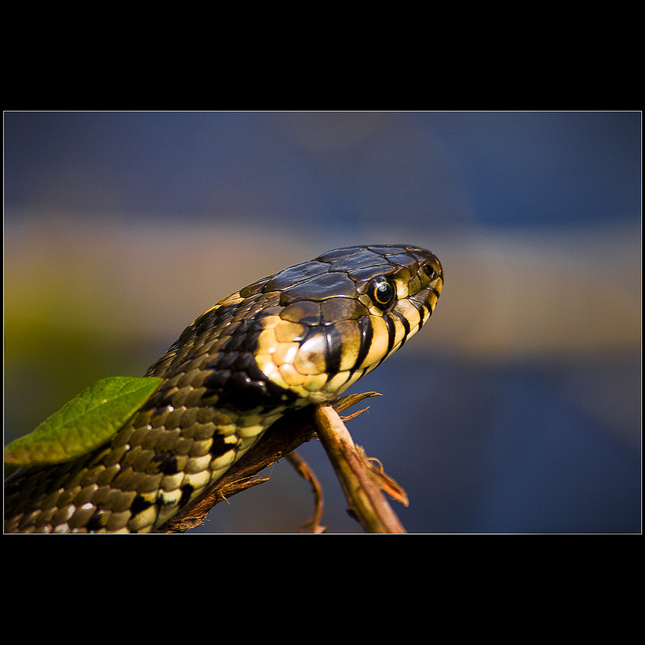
(517, 409)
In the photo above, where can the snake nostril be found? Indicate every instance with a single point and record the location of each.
(430, 271)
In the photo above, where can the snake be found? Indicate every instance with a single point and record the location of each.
(297, 338)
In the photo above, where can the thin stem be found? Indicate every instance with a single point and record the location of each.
(353, 469)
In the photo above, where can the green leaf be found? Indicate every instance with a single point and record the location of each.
(87, 421)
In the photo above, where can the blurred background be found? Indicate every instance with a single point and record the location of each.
(516, 409)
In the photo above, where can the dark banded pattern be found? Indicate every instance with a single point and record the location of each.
(297, 338)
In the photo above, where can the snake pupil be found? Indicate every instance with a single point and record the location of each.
(382, 291)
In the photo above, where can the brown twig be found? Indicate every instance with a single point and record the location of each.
(356, 474)
(312, 525)
(279, 441)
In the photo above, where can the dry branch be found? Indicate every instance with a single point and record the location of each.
(281, 440)
(357, 474)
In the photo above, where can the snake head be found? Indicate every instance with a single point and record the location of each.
(341, 315)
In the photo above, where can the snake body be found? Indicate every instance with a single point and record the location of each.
(297, 338)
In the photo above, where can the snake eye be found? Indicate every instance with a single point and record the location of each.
(381, 291)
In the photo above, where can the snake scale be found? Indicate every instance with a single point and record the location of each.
(297, 338)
